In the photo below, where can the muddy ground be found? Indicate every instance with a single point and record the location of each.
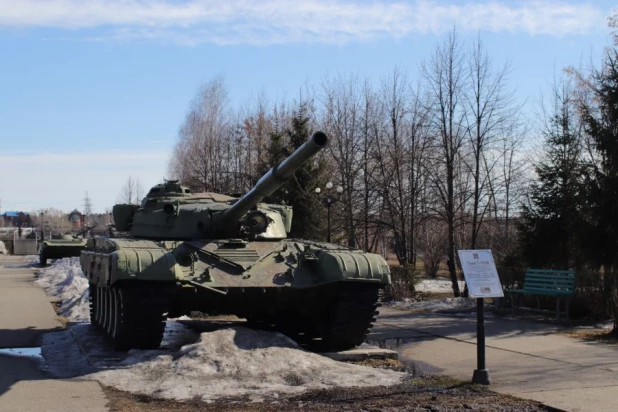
(429, 394)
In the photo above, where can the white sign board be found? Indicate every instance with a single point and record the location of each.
(480, 273)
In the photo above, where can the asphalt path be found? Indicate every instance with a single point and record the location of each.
(26, 314)
(526, 359)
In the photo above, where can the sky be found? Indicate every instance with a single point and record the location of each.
(94, 91)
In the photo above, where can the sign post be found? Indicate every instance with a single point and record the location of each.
(483, 282)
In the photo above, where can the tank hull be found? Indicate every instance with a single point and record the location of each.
(309, 290)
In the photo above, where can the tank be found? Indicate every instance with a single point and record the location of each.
(67, 246)
(218, 254)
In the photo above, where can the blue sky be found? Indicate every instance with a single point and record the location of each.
(94, 91)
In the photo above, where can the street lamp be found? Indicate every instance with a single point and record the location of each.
(329, 200)
(42, 215)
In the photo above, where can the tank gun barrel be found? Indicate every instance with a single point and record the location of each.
(273, 179)
(86, 229)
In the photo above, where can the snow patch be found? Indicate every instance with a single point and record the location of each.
(232, 362)
(437, 305)
(446, 305)
(437, 286)
(3, 248)
(64, 279)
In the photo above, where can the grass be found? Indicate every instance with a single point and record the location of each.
(594, 335)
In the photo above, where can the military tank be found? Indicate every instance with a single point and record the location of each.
(214, 253)
(67, 246)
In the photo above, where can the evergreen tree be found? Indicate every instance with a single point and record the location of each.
(298, 191)
(553, 219)
(276, 152)
(600, 116)
(308, 211)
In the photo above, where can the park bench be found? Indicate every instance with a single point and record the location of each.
(547, 282)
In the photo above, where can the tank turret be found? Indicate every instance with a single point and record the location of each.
(269, 183)
(171, 211)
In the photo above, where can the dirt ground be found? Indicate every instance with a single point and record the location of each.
(433, 394)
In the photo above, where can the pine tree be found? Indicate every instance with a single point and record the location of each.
(276, 152)
(308, 211)
(600, 116)
(553, 219)
(298, 191)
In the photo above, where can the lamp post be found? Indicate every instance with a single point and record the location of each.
(329, 200)
(42, 215)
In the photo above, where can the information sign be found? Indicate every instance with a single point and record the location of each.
(480, 273)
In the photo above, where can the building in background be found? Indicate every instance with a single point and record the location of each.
(77, 219)
(16, 219)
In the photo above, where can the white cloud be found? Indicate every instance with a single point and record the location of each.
(31, 182)
(290, 21)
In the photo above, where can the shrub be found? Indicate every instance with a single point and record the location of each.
(403, 279)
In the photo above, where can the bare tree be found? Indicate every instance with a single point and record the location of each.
(202, 154)
(256, 124)
(439, 155)
(131, 193)
(432, 240)
(342, 103)
(612, 21)
(372, 204)
(445, 78)
(491, 115)
(391, 154)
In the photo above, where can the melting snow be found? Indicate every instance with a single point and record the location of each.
(238, 362)
(437, 286)
(438, 305)
(451, 305)
(64, 279)
(3, 248)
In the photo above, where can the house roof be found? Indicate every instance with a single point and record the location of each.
(11, 213)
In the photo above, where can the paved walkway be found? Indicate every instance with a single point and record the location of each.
(525, 359)
(26, 315)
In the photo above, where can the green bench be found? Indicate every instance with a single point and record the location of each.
(546, 282)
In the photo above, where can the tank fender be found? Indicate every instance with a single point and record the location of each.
(341, 266)
(143, 264)
(87, 263)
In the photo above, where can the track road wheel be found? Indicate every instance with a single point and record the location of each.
(111, 311)
(348, 319)
(99, 306)
(137, 316)
(120, 335)
(92, 291)
(105, 308)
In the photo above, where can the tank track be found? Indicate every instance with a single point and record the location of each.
(349, 318)
(130, 316)
(344, 322)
